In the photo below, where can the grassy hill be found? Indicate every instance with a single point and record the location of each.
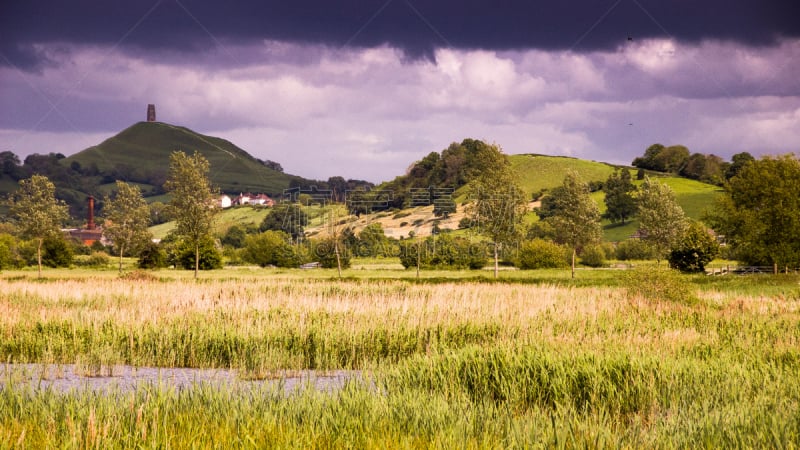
(141, 153)
(539, 172)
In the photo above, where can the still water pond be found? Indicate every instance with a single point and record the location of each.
(68, 377)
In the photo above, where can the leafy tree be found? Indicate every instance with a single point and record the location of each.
(37, 212)
(738, 161)
(498, 203)
(663, 159)
(127, 219)
(648, 160)
(287, 217)
(759, 215)
(705, 168)
(620, 204)
(661, 219)
(372, 241)
(160, 213)
(201, 256)
(576, 218)
(696, 248)
(270, 248)
(10, 165)
(234, 237)
(193, 201)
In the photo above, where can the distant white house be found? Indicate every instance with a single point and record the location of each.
(225, 201)
(250, 199)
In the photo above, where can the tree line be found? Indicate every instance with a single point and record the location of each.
(677, 159)
(758, 215)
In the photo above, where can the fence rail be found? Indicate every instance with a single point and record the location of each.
(745, 270)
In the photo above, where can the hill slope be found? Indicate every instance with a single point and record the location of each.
(538, 172)
(141, 153)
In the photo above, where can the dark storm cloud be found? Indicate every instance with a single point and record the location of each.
(415, 26)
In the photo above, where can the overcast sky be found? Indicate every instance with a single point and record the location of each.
(363, 88)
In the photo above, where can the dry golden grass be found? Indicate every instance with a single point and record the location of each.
(519, 313)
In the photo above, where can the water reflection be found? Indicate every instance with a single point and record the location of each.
(69, 377)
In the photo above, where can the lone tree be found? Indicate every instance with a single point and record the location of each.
(696, 248)
(661, 219)
(575, 218)
(194, 202)
(38, 213)
(127, 219)
(620, 204)
(759, 215)
(498, 203)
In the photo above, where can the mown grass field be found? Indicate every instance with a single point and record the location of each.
(640, 358)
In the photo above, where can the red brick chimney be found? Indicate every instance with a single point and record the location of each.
(90, 222)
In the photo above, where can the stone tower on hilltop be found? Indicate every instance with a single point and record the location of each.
(151, 113)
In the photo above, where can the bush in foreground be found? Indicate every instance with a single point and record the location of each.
(541, 254)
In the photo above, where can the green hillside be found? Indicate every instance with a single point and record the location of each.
(539, 172)
(141, 153)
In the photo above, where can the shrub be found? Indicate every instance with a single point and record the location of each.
(270, 248)
(9, 255)
(56, 252)
(210, 257)
(635, 249)
(372, 241)
(234, 237)
(593, 256)
(541, 254)
(152, 256)
(696, 249)
(443, 252)
(95, 260)
(97, 246)
(324, 251)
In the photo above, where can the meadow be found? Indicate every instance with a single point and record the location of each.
(642, 358)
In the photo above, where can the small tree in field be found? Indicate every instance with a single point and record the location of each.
(127, 219)
(696, 249)
(193, 201)
(660, 217)
(576, 218)
(498, 203)
(37, 211)
(620, 204)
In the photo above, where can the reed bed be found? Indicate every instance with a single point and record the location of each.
(466, 364)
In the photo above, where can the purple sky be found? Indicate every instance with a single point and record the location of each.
(364, 88)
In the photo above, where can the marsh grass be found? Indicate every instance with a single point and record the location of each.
(624, 362)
